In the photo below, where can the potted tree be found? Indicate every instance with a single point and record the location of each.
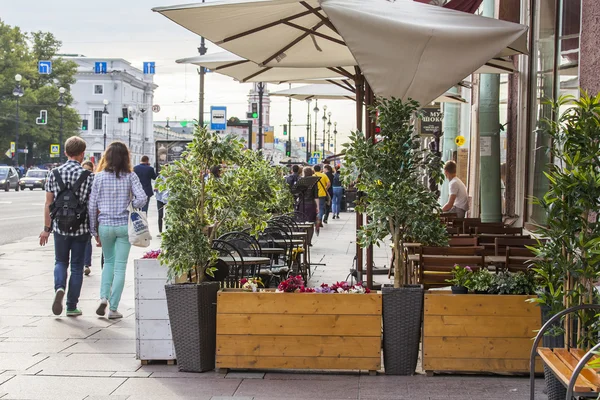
(568, 263)
(186, 248)
(392, 172)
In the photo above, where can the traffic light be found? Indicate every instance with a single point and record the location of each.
(125, 118)
(84, 125)
(288, 148)
(254, 110)
(284, 129)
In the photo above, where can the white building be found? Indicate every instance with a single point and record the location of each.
(122, 86)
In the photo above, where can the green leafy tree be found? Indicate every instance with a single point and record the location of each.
(391, 174)
(19, 54)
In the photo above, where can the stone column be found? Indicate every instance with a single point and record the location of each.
(589, 46)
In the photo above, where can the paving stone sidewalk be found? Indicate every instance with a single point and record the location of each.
(47, 357)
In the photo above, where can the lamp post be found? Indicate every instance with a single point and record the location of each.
(335, 138)
(324, 123)
(129, 112)
(105, 116)
(61, 104)
(18, 93)
(329, 132)
(168, 127)
(308, 130)
(316, 110)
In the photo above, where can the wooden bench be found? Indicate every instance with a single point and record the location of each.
(502, 242)
(569, 365)
(518, 259)
(460, 241)
(434, 270)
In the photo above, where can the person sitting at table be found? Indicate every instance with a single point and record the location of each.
(458, 200)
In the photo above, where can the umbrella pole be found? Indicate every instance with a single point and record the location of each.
(370, 134)
(359, 80)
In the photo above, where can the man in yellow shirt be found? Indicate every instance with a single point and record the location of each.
(323, 186)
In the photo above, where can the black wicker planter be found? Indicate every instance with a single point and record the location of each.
(554, 388)
(402, 316)
(193, 317)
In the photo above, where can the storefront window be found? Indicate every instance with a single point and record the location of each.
(555, 73)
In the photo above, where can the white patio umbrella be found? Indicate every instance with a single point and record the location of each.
(404, 49)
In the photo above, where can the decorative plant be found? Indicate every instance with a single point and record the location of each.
(295, 284)
(186, 244)
(461, 276)
(568, 263)
(251, 285)
(481, 281)
(151, 254)
(391, 173)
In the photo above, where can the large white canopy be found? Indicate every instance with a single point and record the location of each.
(404, 49)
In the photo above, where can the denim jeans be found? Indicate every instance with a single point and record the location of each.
(87, 260)
(69, 248)
(322, 208)
(161, 212)
(115, 247)
(336, 202)
(145, 207)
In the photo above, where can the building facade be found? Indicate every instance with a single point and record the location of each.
(122, 88)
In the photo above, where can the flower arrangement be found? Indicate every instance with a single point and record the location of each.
(295, 284)
(151, 254)
(251, 285)
(461, 276)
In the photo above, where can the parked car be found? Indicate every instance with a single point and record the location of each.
(35, 178)
(9, 178)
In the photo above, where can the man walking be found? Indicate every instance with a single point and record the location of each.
(329, 173)
(292, 178)
(146, 174)
(68, 189)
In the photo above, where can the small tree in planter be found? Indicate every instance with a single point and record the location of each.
(568, 263)
(391, 173)
(186, 248)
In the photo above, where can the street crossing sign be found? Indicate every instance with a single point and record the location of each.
(45, 67)
(149, 68)
(301, 139)
(55, 148)
(100, 67)
(12, 147)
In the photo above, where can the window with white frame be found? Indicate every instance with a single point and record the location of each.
(98, 123)
(98, 89)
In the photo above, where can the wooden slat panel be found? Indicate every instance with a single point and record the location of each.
(298, 346)
(243, 362)
(475, 304)
(590, 377)
(469, 347)
(479, 326)
(305, 303)
(579, 353)
(479, 365)
(561, 370)
(317, 325)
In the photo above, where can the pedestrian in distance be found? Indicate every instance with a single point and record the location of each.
(87, 262)
(292, 178)
(310, 202)
(329, 172)
(338, 193)
(146, 174)
(458, 199)
(323, 186)
(161, 202)
(65, 214)
(115, 187)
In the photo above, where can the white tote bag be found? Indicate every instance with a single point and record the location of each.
(139, 233)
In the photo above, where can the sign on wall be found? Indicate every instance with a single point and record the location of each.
(218, 118)
(431, 120)
(168, 151)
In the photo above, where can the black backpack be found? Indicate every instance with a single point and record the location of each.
(66, 209)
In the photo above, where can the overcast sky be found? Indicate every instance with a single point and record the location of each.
(129, 29)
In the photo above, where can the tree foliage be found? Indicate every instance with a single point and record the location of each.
(19, 54)
(390, 173)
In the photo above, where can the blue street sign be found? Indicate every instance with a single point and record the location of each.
(100, 67)
(303, 144)
(330, 144)
(45, 67)
(149, 68)
(276, 140)
(301, 139)
(218, 118)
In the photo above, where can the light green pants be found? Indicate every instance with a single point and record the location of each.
(115, 246)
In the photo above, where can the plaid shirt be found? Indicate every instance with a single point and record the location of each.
(110, 199)
(69, 173)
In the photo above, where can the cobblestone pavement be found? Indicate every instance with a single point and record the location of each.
(48, 357)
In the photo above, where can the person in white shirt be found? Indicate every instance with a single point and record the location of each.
(458, 200)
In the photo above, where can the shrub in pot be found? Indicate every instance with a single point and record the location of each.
(461, 279)
(398, 205)
(481, 281)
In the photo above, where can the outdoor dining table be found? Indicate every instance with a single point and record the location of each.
(246, 260)
(272, 250)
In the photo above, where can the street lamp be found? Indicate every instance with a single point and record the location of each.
(168, 127)
(328, 132)
(61, 104)
(129, 112)
(335, 138)
(316, 110)
(18, 93)
(324, 123)
(105, 116)
(308, 130)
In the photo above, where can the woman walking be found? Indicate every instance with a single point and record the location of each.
(115, 187)
(338, 192)
(310, 201)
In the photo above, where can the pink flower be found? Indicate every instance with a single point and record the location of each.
(468, 268)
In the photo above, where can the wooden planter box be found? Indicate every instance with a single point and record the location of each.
(478, 333)
(152, 327)
(269, 330)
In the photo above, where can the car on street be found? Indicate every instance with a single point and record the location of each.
(9, 178)
(34, 179)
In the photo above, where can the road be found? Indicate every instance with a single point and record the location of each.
(21, 214)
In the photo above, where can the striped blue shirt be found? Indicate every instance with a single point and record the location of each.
(110, 199)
